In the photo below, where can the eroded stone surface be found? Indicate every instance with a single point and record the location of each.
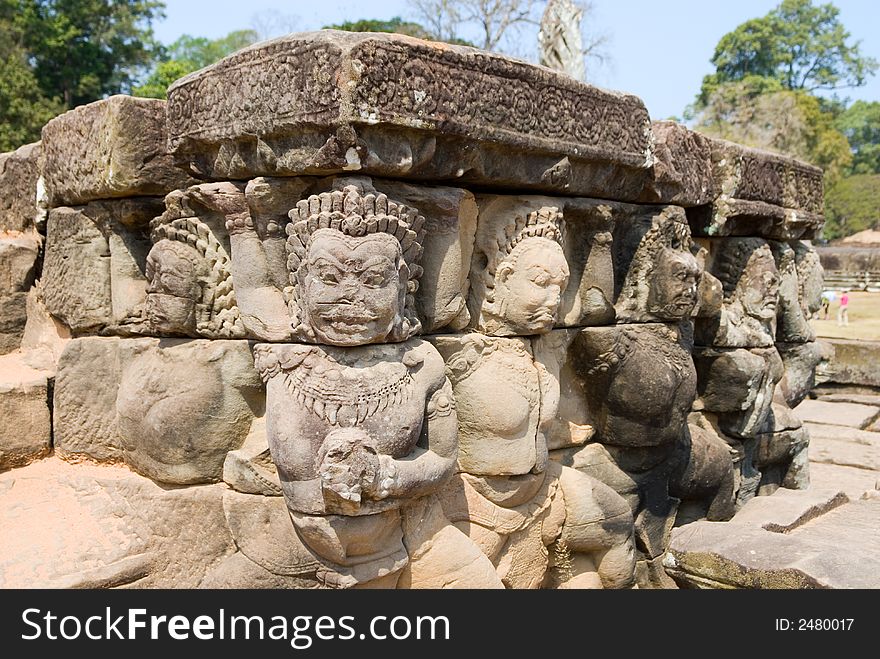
(506, 476)
(18, 257)
(93, 271)
(761, 194)
(129, 399)
(22, 203)
(26, 432)
(116, 147)
(331, 102)
(682, 172)
(86, 526)
(756, 551)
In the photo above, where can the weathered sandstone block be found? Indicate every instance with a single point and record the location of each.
(386, 105)
(170, 409)
(682, 172)
(761, 194)
(102, 526)
(26, 432)
(22, 192)
(18, 257)
(93, 271)
(116, 147)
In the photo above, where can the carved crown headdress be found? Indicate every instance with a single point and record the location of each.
(354, 213)
(733, 258)
(666, 232)
(546, 222)
(216, 312)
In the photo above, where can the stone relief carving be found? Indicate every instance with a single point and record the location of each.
(811, 280)
(327, 300)
(507, 497)
(357, 431)
(458, 385)
(354, 267)
(796, 295)
(736, 388)
(750, 281)
(189, 282)
(638, 383)
(519, 274)
(660, 274)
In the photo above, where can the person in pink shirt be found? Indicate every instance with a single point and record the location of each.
(843, 310)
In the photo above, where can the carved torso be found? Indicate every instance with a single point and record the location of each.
(498, 401)
(641, 386)
(313, 390)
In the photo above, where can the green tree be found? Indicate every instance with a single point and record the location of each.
(23, 106)
(852, 205)
(801, 45)
(189, 54)
(759, 112)
(395, 25)
(83, 50)
(860, 123)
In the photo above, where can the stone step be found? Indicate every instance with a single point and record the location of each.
(853, 481)
(843, 433)
(860, 399)
(750, 552)
(848, 454)
(838, 414)
(26, 427)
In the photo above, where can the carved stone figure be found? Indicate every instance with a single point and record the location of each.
(737, 387)
(800, 289)
(811, 280)
(507, 496)
(524, 276)
(639, 383)
(189, 283)
(655, 262)
(357, 431)
(750, 281)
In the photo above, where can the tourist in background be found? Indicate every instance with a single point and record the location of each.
(827, 299)
(843, 310)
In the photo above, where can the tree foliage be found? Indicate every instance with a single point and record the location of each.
(801, 45)
(852, 205)
(395, 25)
(759, 112)
(57, 54)
(189, 54)
(23, 107)
(860, 123)
(83, 50)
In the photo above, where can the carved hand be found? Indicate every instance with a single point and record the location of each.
(350, 466)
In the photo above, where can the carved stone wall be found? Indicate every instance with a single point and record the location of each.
(426, 317)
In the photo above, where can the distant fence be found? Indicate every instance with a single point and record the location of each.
(869, 280)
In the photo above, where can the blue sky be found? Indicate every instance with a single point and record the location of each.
(660, 50)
